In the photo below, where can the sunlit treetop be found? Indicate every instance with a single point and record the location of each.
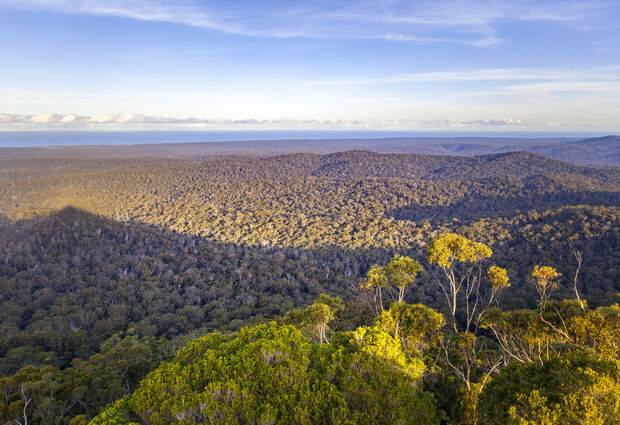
(447, 248)
(376, 277)
(498, 277)
(403, 270)
(544, 275)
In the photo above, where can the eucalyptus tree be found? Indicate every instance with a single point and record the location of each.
(461, 278)
(400, 272)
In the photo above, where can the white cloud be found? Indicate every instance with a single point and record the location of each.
(471, 22)
(101, 119)
(69, 118)
(126, 120)
(44, 118)
(501, 122)
(129, 121)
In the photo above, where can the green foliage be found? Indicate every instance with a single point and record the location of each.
(376, 277)
(114, 414)
(573, 389)
(415, 325)
(528, 336)
(48, 395)
(294, 317)
(523, 336)
(460, 278)
(273, 374)
(172, 248)
(598, 330)
(383, 346)
(380, 384)
(318, 315)
(402, 271)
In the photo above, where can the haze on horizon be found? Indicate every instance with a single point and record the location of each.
(317, 65)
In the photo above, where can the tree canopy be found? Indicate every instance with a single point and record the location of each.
(272, 374)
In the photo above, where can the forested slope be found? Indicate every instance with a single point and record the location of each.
(601, 151)
(164, 249)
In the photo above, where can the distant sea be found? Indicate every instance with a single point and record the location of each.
(78, 138)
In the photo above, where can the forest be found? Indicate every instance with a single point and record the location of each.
(299, 288)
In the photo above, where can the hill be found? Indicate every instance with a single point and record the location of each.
(600, 151)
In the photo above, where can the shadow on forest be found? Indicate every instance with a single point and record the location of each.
(73, 274)
(70, 280)
(474, 206)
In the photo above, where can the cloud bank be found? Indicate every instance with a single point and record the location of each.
(473, 22)
(129, 120)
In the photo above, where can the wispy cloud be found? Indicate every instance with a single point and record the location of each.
(473, 22)
(564, 84)
(558, 87)
(599, 74)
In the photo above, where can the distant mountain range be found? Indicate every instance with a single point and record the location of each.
(600, 151)
(357, 164)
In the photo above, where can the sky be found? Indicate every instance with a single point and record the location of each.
(310, 65)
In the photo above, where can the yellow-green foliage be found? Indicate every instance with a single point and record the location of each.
(599, 330)
(575, 390)
(544, 275)
(527, 337)
(416, 325)
(403, 270)
(524, 337)
(114, 414)
(376, 277)
(319, 314)
(544, 279)
(498, 277)
(450, 247)
(378, 344)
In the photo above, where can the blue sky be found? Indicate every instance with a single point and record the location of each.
(391, 64)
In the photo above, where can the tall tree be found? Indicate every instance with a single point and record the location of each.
(376, 279)
(402, 272)
(460, 262)
(319, 314)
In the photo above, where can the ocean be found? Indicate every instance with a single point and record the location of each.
(79, 138)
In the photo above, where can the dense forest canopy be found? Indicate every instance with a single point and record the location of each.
(559, 365)
(108, 266)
